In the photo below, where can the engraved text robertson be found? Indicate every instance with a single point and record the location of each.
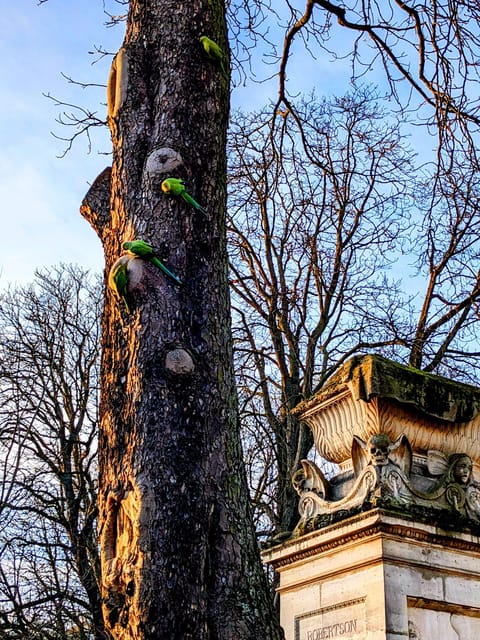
(333, 630)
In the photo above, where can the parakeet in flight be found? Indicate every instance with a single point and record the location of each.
(142, 249)
(175, 187)
(118, 279)
(214, 52)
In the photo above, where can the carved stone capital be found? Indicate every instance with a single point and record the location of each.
(403, 440)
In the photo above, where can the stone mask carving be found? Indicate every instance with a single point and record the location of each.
(383, 471)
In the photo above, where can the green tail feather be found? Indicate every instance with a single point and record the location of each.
(193, 202)
(224, 73)
(161, 266)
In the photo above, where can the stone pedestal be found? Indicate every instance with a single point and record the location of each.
(374, 576)
(389, 548)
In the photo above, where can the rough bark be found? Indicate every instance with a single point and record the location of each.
(179, 557)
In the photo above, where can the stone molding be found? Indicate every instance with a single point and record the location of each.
(371, 394)
(371, 524)
(383, 476)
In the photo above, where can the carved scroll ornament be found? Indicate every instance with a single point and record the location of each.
(383, 472)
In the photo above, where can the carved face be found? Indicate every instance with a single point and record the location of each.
(379, 447)
(462, 470)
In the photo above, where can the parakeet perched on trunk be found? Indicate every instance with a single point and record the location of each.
(142, 249)
(118, 279)
(214, 52)
(175, 187)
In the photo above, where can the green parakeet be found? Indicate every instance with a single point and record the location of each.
(175, 187)
(142, 249)
(118, 279)
(214, 52)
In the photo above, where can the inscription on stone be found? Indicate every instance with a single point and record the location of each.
(333, 630)
(345, 620)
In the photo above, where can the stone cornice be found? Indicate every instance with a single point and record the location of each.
(364, 526)
(371, 395)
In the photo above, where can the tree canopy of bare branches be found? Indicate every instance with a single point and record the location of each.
(317, 238)
(49, 352)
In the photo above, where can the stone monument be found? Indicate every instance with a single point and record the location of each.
(388, 548)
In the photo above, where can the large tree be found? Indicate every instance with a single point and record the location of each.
(316, 241)
(311, 241)
(179, 557)
(314, 214)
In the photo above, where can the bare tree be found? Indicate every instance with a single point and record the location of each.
(431, 47)
(49, 346)
(310, 243)
(444, 337)
(429, 57)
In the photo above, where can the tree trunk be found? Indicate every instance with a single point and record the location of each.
(294, 448)
(179, 557)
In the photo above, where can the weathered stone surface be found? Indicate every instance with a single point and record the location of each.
(380, 577)
(443, 490)
(375, 419)
(372, 376)
(372, 395)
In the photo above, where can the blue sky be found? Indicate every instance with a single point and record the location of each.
(41, 193)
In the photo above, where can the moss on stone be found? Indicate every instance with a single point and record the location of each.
(447, 520)
(373, 376)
